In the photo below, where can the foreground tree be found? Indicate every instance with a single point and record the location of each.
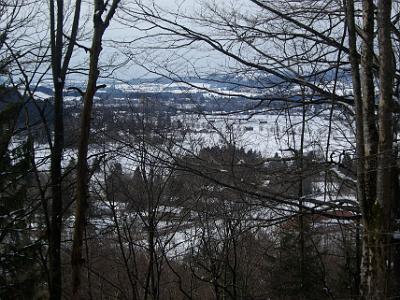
(103, 12)
(61, 54)
(377, 175)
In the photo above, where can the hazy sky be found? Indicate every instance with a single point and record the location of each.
(126, 58)
(149, 51)
(132, 45)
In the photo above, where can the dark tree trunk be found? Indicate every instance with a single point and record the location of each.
(59, 70)
(54, 232)
(384, 198)
(370, 144)
(82, 193)
(81, 207)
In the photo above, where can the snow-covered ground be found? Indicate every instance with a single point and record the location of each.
(270, 133)
(267, 134)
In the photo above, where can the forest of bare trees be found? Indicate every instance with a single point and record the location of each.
(156, 197)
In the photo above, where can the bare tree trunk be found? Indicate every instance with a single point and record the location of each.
(368, 104)
(374, 149)
(99, 27)
(358, 106)
(54, 232)
(82, 167)
(301, 195)
(368, 98)
(383, 205)
(370, 142)
(150, 286)
(59, 70)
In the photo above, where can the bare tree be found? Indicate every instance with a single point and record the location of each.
(102, 15)
(60, 61)
(376, 160)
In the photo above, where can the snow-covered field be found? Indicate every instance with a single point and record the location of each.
(268, 134)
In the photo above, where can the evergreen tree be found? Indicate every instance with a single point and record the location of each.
(19, 267)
